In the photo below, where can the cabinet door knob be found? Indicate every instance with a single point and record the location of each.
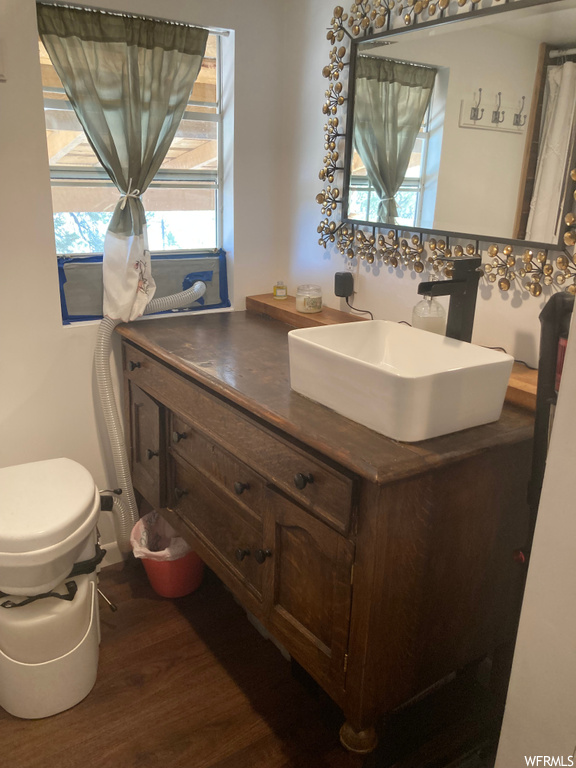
(150, 453)
(177, 436)
(261, 555)
(241, 554)
(179, 492)
(132, 365)
(301, 481)
(239, 488)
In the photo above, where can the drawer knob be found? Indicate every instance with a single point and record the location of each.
(177, 436)
(301, 481)
(179, 492)
(241, 554)
(239, 488)
(150, 453)
(132, 365)
(261, 555)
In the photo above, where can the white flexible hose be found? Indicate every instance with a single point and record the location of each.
(125, 508)
(122, 523)
(177, 300)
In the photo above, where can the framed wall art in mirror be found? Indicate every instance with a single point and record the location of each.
(458, 122)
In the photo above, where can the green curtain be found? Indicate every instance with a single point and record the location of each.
(129, 80)
(391, 98)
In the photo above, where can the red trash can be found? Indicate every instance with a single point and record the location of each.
(172, 567)
(175, 578)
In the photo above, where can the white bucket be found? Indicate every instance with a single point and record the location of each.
(49, 651)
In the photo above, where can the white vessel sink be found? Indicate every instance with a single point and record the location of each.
(405, 383)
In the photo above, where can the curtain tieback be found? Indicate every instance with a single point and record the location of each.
(134, 193)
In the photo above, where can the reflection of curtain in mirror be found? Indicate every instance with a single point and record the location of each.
(390, 102)
(554, 154)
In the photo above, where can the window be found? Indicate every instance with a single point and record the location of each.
(363, 199)
(182, 203)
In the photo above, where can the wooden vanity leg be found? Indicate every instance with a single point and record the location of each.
(361, 742)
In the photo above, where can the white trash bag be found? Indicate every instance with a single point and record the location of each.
(153, 538)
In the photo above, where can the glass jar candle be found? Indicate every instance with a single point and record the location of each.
(309, 298)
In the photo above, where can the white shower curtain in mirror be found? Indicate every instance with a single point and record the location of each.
(129, 80)
(391, 98)
(554, 154)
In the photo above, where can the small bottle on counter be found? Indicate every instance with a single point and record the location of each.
(309, 298)
(280, 290)
(429, 315)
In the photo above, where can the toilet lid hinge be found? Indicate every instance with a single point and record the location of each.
(71, 589)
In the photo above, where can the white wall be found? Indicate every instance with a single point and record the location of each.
(47, 404)
(540, 717)
(508, 319)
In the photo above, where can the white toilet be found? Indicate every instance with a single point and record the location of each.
(48, 544)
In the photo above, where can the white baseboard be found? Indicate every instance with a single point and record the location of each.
(113, 554)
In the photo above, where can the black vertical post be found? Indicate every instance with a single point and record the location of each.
(555, 324)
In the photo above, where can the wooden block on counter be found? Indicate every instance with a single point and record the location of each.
(522, 387)
(285, 311)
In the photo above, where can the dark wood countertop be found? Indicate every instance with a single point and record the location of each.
(243, 357)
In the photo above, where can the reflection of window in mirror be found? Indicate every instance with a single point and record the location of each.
(416, 197)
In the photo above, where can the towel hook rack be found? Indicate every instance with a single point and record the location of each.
(520, 120)
(475, 112)
(498, 115)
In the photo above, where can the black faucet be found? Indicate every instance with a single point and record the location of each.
(462, 289)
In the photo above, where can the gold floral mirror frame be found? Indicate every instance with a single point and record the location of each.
(507, 265)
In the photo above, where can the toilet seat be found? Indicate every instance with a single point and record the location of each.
(48, 513)
(43, 503)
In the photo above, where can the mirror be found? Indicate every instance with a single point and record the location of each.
(466, 127)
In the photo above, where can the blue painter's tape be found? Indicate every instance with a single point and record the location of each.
(224, 299)
(62, 282)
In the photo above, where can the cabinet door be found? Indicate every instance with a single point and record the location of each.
(147, 445)
(308, 589)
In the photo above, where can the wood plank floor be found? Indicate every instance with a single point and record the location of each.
(190, 683)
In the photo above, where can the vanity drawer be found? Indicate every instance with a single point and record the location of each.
(232, 476)
(231, 542)
(315, 484)
(310, 481)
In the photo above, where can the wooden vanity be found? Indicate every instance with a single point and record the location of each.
(380, 566)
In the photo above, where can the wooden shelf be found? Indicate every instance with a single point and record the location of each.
(521, 387)
(285, 311)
